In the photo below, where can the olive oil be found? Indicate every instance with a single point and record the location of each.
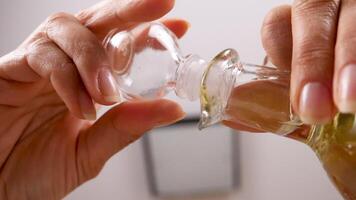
(265, 106)
(250, 95)
(335, 145)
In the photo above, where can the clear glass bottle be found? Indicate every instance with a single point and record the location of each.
(149, 64)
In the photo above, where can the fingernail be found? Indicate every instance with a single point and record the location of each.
(87, 106)
(107, 86)
(347, 90)
(315, 104)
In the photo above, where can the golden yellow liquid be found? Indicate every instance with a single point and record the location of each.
(335, 145)
(265, 106)
(262, 105)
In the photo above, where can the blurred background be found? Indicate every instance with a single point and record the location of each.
(178, 162)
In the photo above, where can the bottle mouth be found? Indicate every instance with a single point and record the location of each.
(216, 85)
(188, 77)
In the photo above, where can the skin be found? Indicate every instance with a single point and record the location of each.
(315, 39)
(48, 145)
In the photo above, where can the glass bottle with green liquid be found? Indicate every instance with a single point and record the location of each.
(148, 64)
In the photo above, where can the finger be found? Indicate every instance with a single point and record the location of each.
(121, 14)
(105, 16)
(276, 34)
(68, 85)
(178, 26)
(50, 62)
(314, 24)
(16, 81)
(87, 53)
(100, 18)
(345, 67)
(119, 127)
(14, 67)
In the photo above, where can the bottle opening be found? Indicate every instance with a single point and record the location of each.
(216, 86)
(189, 76)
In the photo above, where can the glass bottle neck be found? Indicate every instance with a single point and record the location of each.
(260, 99)
(259, 72)
(188, 77)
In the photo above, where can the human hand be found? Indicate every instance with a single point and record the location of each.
(314, 39)
(317, 39)
(51, 81)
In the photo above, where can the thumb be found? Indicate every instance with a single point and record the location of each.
(118, 128)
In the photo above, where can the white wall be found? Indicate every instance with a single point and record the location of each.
(272, 167)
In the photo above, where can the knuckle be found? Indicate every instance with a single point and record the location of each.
(40, 41)
(37, 52)
(53, 21)
(85, 49)
(312, 54)
(58, 18)
(324, 8)
(84, 16)
(41, 46)
(66, 67)
(44, 56)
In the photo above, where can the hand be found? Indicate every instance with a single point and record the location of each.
(51, 81)
(317, 39)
